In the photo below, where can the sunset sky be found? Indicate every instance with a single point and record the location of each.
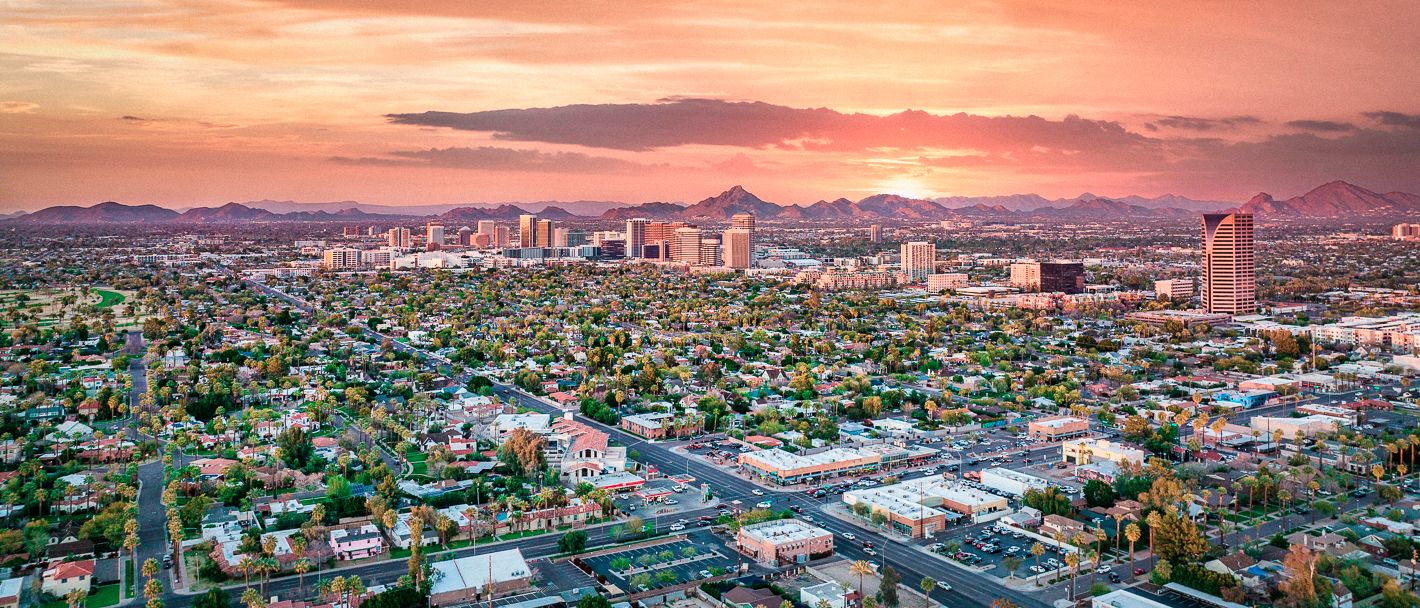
(199, 102)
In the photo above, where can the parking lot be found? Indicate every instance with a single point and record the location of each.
(662, 565)
(987, 548)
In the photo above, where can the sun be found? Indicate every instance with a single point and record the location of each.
(910, 187)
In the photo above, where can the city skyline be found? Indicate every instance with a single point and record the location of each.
(201, 103)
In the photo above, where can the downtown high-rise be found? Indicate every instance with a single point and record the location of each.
(1229, 264)
(636, 236)
(735, 247)
(919, 259)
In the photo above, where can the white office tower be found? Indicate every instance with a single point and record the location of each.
(919, 259)
(687, 245)
(342, 258)
(709, 252)
(488, 228)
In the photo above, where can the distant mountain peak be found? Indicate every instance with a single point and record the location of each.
(1334, 199)
(732, 201)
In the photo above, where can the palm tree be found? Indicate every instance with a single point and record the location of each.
(1284, 497)
(1118, 520)
(1038, 550)
(1073, 561)
(1153, 520)
(246, 566)
(356, 588)
(302, 566)
(1100, 537)
(251, 598)
(1094, 567)
(860, 568)
(1250, 483)
(153, 588)
(1132, 532)
(927, 584)
(337, 589)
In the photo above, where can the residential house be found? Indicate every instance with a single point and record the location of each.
(361, 543)
(62, 577)
(581, 452)
(1058, 525)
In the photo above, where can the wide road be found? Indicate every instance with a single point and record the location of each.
(152, 518)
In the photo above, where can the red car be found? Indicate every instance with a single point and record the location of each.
(1138, 572)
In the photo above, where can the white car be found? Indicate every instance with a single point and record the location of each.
(757, 492)
(850, 536)
(764, 504)
(677, 527)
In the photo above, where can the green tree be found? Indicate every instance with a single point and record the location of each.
(572, 542)
(1099, 493)
(214, 598)
(887, 589)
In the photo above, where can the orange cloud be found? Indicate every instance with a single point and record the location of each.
(255, 97)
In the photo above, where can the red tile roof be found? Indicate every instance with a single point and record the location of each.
(64, 570)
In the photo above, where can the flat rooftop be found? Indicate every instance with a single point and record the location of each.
(1058, 422)
(780, 459)
(474, 571)
(784, 530)
(1013, 475)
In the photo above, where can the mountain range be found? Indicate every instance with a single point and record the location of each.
(1335, 200)
(1332, 200)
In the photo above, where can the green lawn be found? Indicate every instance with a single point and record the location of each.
(417, 462)
(106, 595)
(108, 298)
(128, 578)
